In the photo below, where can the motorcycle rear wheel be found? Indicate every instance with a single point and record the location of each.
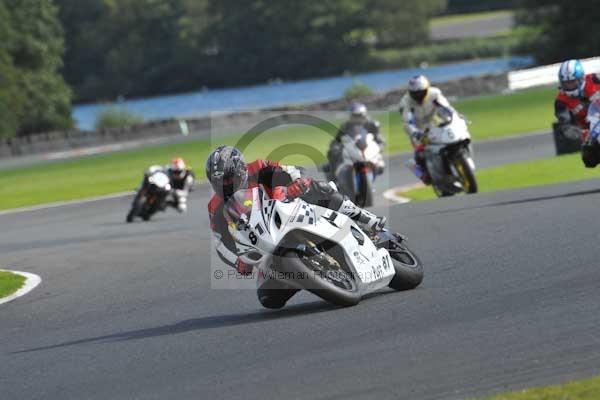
(321, 282)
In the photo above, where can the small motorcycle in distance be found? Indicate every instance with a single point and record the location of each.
(361, 163)
(448, 154)
(151, 197)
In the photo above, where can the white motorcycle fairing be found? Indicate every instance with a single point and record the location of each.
(352, 154)
(438, 137)
(263, 233)
(361, 161)
(443, 139)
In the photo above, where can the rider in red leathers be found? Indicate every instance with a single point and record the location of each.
(576, 91)
(228, 173)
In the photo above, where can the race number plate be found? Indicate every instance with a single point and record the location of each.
(374, 268)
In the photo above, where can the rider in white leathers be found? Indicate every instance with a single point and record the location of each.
(418, 106)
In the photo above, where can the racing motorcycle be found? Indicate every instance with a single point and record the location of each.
(448, 154)
(152, 197)
(361, 163)
(297, 245)
(590, 147)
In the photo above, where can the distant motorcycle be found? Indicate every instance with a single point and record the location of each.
(151, 198)
(296, 245)
(448, 154)
(361, 163)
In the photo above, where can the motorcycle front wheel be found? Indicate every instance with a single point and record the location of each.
(364, 195)
(147, 212)
(130, 216)
(466, 174)
(408, 267)
(312, 273)
(134, 211)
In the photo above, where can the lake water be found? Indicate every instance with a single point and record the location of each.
(200, 103)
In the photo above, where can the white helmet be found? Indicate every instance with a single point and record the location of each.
(571, 77)
(418, 86)
(358, 113)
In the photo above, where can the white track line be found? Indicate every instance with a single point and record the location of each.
(31, 281)
(392, 193)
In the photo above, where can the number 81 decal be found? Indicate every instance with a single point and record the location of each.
(252, 236)
(387, 264)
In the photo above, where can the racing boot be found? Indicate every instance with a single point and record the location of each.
(368, 222)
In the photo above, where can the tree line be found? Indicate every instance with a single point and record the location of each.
(53, 52)
(563, 29)
(145, 47)
(106, 49)
(33, 94)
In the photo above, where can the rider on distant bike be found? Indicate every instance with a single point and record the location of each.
(359, 117)
(576, 91)
(228, 173)
(181, 179)
(418, 106)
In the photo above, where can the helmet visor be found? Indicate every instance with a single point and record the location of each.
(225, 186)
(358, 118)
(418, 95)
(570, 85)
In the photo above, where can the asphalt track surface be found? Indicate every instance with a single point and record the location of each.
(510, 300)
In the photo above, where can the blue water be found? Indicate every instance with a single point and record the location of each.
(300, 92)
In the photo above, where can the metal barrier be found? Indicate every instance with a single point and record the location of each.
(545, 75)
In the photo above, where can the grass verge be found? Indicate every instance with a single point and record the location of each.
(579, 390)
(547, 171)
(454, 50)
(10, 283)
(491, 116)
(459, 19)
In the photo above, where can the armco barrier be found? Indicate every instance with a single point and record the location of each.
(545, 75)
(202, 128)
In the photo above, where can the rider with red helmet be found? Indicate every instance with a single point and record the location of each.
(182, 181)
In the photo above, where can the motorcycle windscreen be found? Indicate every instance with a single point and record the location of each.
(239, 206)
(159, 179)
(442, 116)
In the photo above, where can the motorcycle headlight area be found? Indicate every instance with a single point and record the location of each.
(160, 180)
